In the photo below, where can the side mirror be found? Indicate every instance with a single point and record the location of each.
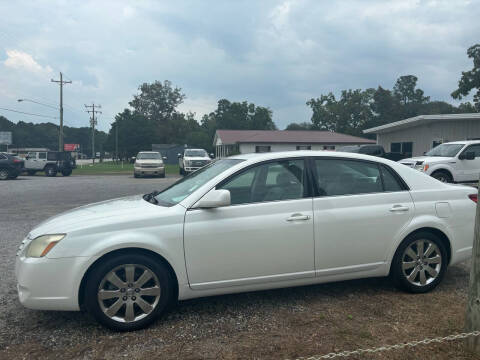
(214, 199)
(212, 155)
(134, 158)
(179, 155)
(164, 157)
(469, 155)
(27, 157)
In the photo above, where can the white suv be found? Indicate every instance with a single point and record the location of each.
(457, 161)
(192, 160)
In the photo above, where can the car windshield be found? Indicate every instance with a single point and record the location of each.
(196, 153)
(146, 156)
(446, 150)
(350, 149)
(180, 190)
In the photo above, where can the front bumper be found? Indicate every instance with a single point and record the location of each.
(149, 171)
(50, 284)
(192, 168)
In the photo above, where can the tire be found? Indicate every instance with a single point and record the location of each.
(31, 172)
(4, 174)
(443, 176)
(50, 171)
(67, 172)
(160, 284)
(433, 266)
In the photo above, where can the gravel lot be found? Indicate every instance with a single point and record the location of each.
(279, 324)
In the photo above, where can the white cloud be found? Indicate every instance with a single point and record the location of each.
(22, 61)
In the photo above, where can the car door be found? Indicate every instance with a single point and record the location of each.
(360, 208)
(31, 161)
(470, 168)
(265, 235)
(41, 160)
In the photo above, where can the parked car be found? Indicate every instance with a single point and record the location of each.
(245, 223)
(374, 150)
(149, 163)
(10, 166)
(51, 162)
(192, 159)
(457, 161)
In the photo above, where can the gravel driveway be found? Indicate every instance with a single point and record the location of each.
(278, 324)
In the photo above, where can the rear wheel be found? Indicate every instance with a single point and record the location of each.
(51, 171)
(443, 176)
(419, 263)
(66, 172)
(4, 174)
(128, 292)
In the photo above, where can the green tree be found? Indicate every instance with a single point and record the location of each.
(405, 90)
(157, 101)
(299, 126)
(470, 80)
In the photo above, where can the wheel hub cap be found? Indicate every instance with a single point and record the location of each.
(421, 262)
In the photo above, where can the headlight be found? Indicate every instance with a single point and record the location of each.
(41, 245)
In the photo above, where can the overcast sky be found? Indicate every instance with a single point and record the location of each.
(277, 54)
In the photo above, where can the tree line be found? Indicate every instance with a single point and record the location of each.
(153, 117)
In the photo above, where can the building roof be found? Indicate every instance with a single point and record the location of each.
(287, 136)
(420, 120)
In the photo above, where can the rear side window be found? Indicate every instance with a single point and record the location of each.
(390, 181)
(347, 177)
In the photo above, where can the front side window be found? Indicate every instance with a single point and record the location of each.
(187, 185)
(272, 181)
(347, 177)
(473, 148)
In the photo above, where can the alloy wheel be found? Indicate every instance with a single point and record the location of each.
(421, 262)
(129, 293)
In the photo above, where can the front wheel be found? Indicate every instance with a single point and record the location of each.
(128, 292)
(419, 263)
(442, 176)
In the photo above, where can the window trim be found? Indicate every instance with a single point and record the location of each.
(378, 164)
(465, 150)
(308, 191)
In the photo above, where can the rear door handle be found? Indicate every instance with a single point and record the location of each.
(296, 217)
(399, 208)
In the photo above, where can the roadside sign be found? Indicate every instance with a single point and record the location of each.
(71, 147)
(5, 138)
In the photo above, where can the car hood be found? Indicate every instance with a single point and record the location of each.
(427, 159)
(108, 212)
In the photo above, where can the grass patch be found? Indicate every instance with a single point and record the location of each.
(112, 168)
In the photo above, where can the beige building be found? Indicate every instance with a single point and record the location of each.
(229, 142)
(418, 134)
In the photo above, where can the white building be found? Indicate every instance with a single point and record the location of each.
(416, 135)
(229, 142)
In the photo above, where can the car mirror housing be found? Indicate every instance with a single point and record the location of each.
(179, 155)
(213, 199)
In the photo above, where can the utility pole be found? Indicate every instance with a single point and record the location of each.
(472, 321)
(93, 122)
(116, 141)
(61, 82)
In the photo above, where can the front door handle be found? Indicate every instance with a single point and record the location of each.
(399, 208)
(296, 217)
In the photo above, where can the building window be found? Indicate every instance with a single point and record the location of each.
(328, 147)
(405, 148)
(304, 147)
(262, 148)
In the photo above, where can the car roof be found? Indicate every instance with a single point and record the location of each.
(196, 149)
(255, 157)
(148, 152)
(464, 142)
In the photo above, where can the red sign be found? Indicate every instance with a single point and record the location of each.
(71, 147)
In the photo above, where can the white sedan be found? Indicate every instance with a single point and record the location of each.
(249, 222)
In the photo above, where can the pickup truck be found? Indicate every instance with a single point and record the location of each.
(10, 166)
(457, 161)
(51, 162)
(374, 150)
(192, 160)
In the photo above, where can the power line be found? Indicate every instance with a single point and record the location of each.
(26, 113)
(39, 103)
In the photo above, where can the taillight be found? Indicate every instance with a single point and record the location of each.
(473, 197)
(17, 161)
